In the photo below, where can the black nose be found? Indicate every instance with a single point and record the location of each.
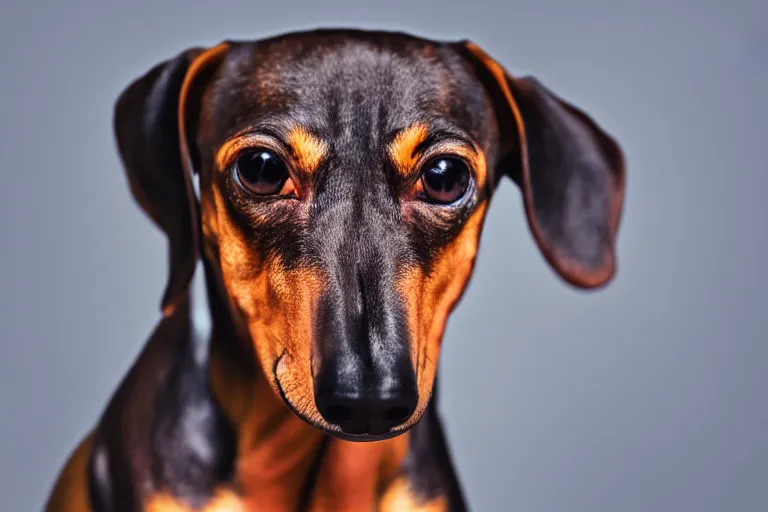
(366, 409)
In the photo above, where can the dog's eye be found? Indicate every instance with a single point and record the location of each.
(445, 180)
(261, 172)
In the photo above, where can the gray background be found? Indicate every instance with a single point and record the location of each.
(649, 395)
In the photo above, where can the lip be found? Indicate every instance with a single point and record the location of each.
(330, 429)
(366, 438)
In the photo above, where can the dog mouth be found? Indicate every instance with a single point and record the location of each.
(329, 428)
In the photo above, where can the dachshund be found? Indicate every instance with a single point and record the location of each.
(329, 187)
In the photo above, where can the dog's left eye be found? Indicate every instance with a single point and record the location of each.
(262, 172)
(445, 180)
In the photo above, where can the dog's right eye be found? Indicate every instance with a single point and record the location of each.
(263, 173)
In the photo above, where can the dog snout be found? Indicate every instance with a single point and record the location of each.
(365, 382)
(362, 402)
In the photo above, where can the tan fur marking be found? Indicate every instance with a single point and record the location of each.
(477, 159)
(70, 494)
(353, 474)
(277, 309)
(438, 294)
(223, 501)
(227, 152)
(401, 150)
(394, 457)
(272, 307)
(309, 150)
(400, 498)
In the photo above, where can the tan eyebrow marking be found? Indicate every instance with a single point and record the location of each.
(229, 149)
(402, 148)
(309, 150)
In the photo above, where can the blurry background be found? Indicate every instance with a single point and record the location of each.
(648, 395)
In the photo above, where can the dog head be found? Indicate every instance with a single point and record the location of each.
(344, 180)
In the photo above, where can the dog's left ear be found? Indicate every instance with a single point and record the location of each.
(571, 172)
(155, 123)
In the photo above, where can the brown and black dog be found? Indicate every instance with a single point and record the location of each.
(344, 177)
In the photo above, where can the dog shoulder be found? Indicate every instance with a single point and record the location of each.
(162, 433)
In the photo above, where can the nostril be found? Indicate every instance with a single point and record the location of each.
(345, 411)
(337, 414)
(397, 414)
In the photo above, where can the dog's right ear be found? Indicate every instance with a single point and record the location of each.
(155, 122)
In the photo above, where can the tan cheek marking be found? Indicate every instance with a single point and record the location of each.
(277, 309)
(451, 273)
(431, 299)
(239, 267)
(245, 278)
(301, 291)
(400, 498)
(401, 150)
(310, 151)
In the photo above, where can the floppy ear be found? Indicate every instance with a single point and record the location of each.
(571, 172)
(155, 122)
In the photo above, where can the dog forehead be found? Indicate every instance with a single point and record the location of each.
(329, 81)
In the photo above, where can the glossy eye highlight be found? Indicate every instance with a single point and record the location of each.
(445, 180)
(262, 173)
